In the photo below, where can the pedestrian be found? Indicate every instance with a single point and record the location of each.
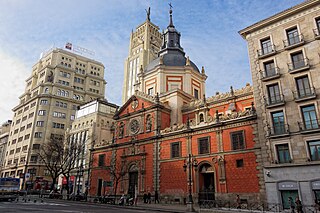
(317, 204)
(156, 197)
(145, 197)
(238, 201)
(149, 197)
(298, 205)
(291, 204)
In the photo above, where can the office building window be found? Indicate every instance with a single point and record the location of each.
(239, 163)
(150, 91)
(38, 134)
(41, 112)
(237, 140)
(40, 123)
(283, 153)
(44, 102)
(175, 149)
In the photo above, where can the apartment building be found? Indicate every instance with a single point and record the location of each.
(284, 60)
(59, 82)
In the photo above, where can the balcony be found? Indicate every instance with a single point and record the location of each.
(279, 131)
(304, 94)
(316, 33)
(267, 75)
(266, 52)
(299, 66)
(293, 42)
(309, 126)
(274, 101)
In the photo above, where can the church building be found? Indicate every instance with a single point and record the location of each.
(169, 138)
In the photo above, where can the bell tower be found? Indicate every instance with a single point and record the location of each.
(144, 46)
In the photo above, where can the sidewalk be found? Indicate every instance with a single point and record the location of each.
(175, 208)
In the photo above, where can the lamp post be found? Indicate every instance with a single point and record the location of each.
(189, 164)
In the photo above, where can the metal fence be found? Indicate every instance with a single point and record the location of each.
(252, 207)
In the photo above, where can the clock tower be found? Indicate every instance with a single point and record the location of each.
(144, 46)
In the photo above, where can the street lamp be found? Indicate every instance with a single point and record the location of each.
(190, 164)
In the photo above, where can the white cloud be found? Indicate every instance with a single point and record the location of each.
(13, 76)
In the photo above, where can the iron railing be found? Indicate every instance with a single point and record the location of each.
(252, 207)
(276, 130)
(274, 72)
(309, 125)
(274, 100)
(293, 41)
(304, 93)
(300, 64)
(267, 50)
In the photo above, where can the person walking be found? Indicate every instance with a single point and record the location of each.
(298, 205)
(149, 197)
(291, 204)
(156, 197)
(238, 201)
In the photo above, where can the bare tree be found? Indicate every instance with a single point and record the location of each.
(117, 171)
(51, 154)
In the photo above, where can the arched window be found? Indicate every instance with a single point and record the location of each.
(201, 118)
(67, 94)
(59, 92)
(63, 93)
(46, 90)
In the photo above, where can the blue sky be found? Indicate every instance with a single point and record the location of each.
(209, 36)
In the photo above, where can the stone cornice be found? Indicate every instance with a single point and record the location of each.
(279, 16)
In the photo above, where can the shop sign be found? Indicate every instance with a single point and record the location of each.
(315, 184)
(288, 185)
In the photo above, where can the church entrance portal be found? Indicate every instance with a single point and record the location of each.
(206, 183)
(133, 181)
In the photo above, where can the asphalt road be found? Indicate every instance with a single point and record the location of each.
(61, 206)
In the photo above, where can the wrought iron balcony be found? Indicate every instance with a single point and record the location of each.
(309, 126)
(274, 101)
(304, 94)
(279, 130)
(267, 51)
(270, 74)
(293, 41)
(316, 33)
(298, 66)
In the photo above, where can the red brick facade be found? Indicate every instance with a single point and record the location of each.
(218, 132)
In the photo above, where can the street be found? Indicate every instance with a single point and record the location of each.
(63, 206)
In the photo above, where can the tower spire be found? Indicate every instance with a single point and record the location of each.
(148, 14)
(170, 12)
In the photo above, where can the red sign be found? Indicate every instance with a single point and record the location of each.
(64, 180)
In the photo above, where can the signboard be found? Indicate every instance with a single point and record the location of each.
(288, 185)
(316, 184)
(77, 49)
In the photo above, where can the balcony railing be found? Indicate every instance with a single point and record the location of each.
(316, 33)
(299, 65)
(276, 100)
(279, 130)
(304, 94)
(270, 74)
(267, 51)
(293, 41)
(309, 125)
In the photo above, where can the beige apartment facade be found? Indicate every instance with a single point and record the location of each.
(284, 60)
(60, 81)
(93, 125)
